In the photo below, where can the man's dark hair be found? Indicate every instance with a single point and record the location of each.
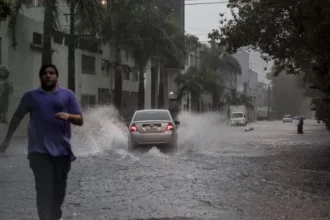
(44, 67)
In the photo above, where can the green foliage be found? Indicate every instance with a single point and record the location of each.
(5, 10)
(197, 81)
(191, 82)
(292, 33)
(217, 58)
(144, 32)
(6, 90)
(191, 42)
(88, 16)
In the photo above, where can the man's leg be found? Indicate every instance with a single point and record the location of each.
(62, 166)
(43, 174)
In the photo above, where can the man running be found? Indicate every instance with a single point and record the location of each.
(52, 110)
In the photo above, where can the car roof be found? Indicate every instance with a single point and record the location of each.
(152, 110)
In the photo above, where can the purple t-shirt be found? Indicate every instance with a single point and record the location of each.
(46, 133)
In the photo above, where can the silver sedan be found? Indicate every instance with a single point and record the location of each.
(152, 127)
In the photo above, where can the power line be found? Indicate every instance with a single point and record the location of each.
(207, 3)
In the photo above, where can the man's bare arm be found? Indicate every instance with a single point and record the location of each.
(76, 119)
(13, 124)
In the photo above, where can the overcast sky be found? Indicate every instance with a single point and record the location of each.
(200, 19)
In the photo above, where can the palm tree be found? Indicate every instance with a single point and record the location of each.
(197, 81)
(219, 62)
(50, 23)
(150, 35)
(5, 10)
(117, 29)
(191, 83)
(87, 16)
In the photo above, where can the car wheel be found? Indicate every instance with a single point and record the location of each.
(131, 147)
(173, 148)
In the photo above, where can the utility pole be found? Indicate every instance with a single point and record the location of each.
(268, 103)
(71, 49)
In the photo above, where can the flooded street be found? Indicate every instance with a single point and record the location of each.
(219, 172)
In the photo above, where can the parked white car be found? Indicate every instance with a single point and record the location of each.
(287, 118)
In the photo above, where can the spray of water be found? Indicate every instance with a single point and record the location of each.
(199, 130)
(104, 130)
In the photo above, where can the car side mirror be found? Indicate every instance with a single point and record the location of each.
(176, 122)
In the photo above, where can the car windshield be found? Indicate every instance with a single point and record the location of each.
(237, 115)
(152, 115)
(287, 116)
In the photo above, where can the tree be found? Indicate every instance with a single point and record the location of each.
(283, 31)
(219, 62)
(151, 35)
(5, 10)
(87, 16)
(50, 23)
(116, 31)
(197, 81)
(288, 95)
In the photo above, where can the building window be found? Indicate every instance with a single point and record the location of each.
(104, 96)
(135, 74)
(37, 38)
(0, 50)
(88, 65)
(126, 72)
(88, 100)
(105, 68)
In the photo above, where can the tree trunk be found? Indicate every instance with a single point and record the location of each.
(194, 104)
(118, 81)
(47, 34)
(215, 101)
(188, 102)
(141, 94)
(71, 50)
(161, 94)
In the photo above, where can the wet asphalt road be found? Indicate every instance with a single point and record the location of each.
(218, 173)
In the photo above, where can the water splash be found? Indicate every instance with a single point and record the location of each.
(198, 131)
(103, 130)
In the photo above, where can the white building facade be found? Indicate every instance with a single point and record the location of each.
(243, 58)
(253, 93)
(94, 74)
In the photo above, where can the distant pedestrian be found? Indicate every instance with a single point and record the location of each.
(52, 110)
(300, 126)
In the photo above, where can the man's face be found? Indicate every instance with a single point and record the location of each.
(49, 79)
